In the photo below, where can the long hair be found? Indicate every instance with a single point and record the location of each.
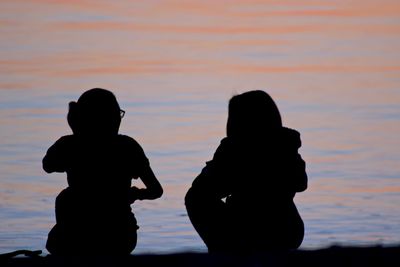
(252, 114)
(96, 113)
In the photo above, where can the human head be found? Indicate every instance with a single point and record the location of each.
(253, 113)
(96, 113)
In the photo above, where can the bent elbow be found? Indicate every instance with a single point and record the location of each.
(159, 192)
(303, 185)
(155, 193)
(46, 166)
(302, 188)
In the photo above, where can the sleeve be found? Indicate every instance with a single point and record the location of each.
(294, 167)
(138, 161)
(297, 164)
(56, 158)
(300, 175)
(214, 179)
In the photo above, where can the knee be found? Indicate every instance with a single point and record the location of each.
(191, 197)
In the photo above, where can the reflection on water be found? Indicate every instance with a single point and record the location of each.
(332, 66)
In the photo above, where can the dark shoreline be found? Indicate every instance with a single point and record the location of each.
(332, 256)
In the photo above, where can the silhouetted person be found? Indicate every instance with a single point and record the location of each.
(258, 169)
(93, 214)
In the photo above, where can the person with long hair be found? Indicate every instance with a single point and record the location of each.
(242, 201)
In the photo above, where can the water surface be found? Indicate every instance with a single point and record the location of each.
(332, 67)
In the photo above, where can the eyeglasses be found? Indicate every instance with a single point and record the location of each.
(121, 113)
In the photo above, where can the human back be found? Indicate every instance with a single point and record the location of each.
(258, 169)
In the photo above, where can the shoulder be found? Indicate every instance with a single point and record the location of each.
(129, 142)
(226, 150)
(59, 150)
(65, 140)
(224, 145)
(291, 136)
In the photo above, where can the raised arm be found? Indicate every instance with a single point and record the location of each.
(153, 188)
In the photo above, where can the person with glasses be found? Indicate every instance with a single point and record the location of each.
(93, 214)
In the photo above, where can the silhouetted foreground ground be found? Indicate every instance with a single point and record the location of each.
(334, 256)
